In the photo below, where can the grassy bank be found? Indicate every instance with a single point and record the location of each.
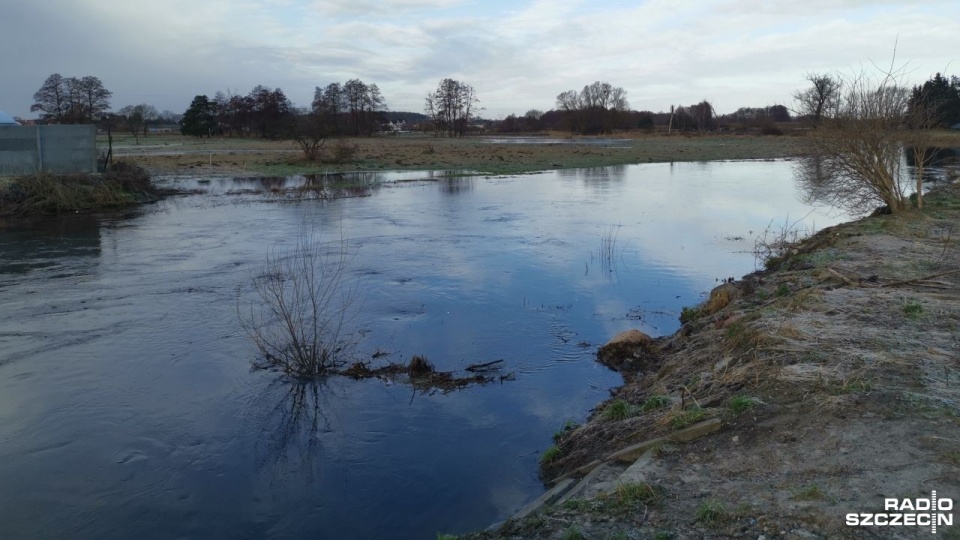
(174, 154)
(835, 376)
(52, 194)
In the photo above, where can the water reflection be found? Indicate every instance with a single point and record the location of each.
(47, 242)
(456, 184)
(596, 176)
(825, 181)
(294, 426)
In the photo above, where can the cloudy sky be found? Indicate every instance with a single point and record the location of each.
(518, 54)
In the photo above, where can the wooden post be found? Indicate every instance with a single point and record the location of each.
(39, 148)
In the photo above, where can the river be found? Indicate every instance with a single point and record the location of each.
(128, 408)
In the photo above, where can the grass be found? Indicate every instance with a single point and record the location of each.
(447, 537)
(663, 535)
(859, 386)
(689, 314)
(618, 409)
(550, 455)
(567, 428)
(953, 458)
(687, 418)
(54, 194)
(913, 310)
(467, 153)
(743, 337)
(628, 495)
(712, 513)
(573, 533)
(810, 493)
(655, 402)
(740, 404)
(782, 290)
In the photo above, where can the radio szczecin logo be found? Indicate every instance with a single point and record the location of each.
(932, 512)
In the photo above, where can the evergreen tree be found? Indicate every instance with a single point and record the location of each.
(199, 120)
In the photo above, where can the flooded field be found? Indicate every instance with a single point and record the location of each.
(128, 407)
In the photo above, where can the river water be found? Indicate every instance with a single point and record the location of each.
(128, 408)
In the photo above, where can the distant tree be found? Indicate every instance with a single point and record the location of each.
(645, 120)
(451, 106)
(570, 104)
(91, 99)
(941, 97)
(200, 119)
(169, 117)
(778, 113)
(354, 108)
(136, 117)
(820, 99)
(271, 112)
(702, 114)
(71, 100)
(52, 100)
(598, 108)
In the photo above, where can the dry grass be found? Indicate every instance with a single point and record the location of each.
(52, 194)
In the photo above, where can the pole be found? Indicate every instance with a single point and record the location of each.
(39, 148)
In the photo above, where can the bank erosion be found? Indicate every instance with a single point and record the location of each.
(790, 399)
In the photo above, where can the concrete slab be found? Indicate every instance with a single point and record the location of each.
(637, 472)
(547, 498)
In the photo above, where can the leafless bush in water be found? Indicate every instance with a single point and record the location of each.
(303, 324)
(775, 243)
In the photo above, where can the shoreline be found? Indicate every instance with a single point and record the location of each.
(831, 378)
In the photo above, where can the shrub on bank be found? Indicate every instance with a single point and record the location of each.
(52, 194)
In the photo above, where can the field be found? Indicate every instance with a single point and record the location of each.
(175, 154)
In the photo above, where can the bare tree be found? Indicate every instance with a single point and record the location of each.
(451, 106)
(303, 325)
(69, 100)
(856, 153)
(52, 100)
(136, 117)
(820, 98)
(597, 108)
(310, 130)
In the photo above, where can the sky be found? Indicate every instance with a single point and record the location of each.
(517, 54)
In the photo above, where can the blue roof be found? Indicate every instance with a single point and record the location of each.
(6, 119)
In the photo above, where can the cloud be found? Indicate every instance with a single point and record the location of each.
(518, 55)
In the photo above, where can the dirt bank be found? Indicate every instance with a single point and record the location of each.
(836, 376)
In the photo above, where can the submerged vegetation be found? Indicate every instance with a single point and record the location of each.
(304, 323)
(46, 193)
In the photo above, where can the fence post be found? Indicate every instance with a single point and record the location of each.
(39, 148)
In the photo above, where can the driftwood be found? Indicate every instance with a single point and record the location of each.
(845, 279)
(924, 280)
(485, 366)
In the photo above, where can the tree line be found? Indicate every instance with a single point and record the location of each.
(357, 108)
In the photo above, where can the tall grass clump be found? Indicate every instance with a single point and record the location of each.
(45, 193)
(303, 324)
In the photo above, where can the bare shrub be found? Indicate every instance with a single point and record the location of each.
(343, 152)
(777, 242)
(303, 324)
(856, 152)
